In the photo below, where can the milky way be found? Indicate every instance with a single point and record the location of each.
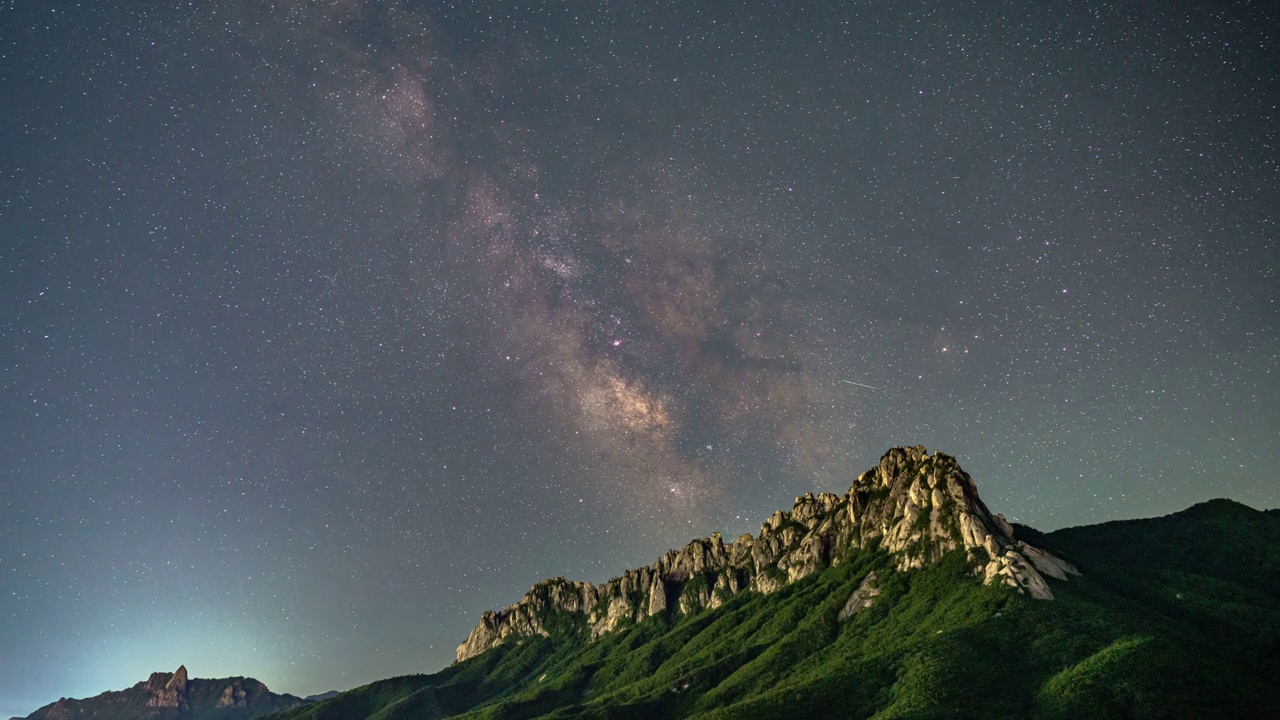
(642, 321)
(328, 326)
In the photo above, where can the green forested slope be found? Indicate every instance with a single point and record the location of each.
(1175, 617)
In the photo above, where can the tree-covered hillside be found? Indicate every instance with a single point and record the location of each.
(1174, 617)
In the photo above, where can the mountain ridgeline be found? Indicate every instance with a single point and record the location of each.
(903, 598)
(174, 696)
(916, 506)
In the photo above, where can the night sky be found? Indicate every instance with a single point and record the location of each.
(325, 326)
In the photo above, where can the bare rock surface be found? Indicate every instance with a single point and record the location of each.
(914, 505)
(861, 599)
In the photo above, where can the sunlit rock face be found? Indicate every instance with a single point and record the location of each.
(914, 505)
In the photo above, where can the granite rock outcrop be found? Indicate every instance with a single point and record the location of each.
(172, 696)
(915, 506)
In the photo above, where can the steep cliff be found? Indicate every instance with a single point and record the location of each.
(914, 505)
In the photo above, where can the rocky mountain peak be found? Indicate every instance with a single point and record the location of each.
(179, 680)
(164, 696)
(914, 505)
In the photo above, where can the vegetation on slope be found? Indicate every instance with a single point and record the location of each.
(1173, 619)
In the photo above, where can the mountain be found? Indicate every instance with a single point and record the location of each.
(916, 506)
(1232, 543)
(903, 598)
(174, 696)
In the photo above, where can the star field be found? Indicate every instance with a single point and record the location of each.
(328, 325)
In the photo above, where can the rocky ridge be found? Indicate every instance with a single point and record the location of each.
(914, 505)
(174, 695)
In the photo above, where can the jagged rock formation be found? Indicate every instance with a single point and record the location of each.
(913, 505)
(177, 696)
(167, 690)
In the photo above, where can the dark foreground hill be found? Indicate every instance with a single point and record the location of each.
(174, 696)
(904, 598)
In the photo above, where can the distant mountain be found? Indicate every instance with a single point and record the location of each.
(903, 598)
(174, 696)
(321, 696)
